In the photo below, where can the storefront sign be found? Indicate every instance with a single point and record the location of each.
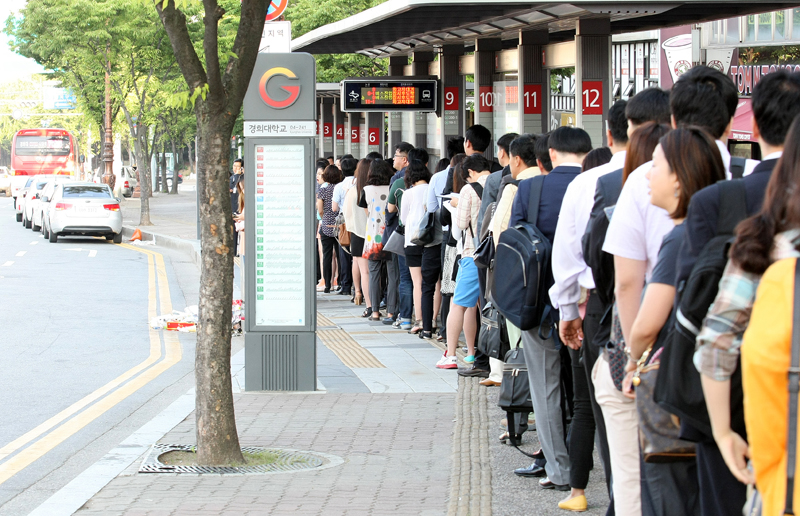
(747, 76)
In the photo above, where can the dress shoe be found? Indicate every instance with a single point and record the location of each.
(545, 483)
(489, 383)
(473, 372)
(577, 504)
(531, 471)
(345, 292)
(539, 454)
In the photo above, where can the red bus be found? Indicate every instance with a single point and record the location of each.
(44, 151)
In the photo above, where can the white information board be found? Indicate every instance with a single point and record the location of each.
(280, 247)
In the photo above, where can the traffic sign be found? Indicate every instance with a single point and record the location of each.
(275, 9)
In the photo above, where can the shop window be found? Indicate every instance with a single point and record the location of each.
(780, 26)
(765, 27)
(795, 23)
(750, 28)
(732, 33)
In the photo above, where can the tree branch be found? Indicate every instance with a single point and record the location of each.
(213, 15)
(175, 24)
(245, 46)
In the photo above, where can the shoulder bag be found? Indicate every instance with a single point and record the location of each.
(515, 392)
(493, 337)
(753, 507)
(397, 242)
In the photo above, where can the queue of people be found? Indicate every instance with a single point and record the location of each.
(649, 283)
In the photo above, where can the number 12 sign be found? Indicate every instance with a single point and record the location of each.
(592, 97)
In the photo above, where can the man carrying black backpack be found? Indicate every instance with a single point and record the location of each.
(541, 345)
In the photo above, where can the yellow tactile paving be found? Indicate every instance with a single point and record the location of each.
(348, 350)
(324, 321)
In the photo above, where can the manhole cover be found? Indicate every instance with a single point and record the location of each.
(286, 461)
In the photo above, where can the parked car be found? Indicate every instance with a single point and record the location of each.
(38, 203)
(83, 209)
(25, 203)
(18, 196)
(127, 181)
(169, 179)
(5, 181)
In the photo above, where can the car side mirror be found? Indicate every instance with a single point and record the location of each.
(45, 199)
(118, 199)
(35, 196)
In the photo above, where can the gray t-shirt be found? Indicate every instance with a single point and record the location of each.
(666, 268)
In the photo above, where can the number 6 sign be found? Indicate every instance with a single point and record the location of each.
(373, 136)
(592, 97)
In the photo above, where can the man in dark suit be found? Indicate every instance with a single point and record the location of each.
(568, 147)
(776, 102)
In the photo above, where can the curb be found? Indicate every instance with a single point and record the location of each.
(189, 247)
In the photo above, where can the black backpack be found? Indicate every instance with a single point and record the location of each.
(678, 388)
(602, 263)
(522, 265)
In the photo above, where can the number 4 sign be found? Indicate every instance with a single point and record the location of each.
(592, 97)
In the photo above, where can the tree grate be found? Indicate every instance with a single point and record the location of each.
(287, 461)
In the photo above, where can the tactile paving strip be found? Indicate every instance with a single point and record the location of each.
(286, 461)
(323, 321)
(348, 350)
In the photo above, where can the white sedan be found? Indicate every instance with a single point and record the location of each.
(37, 203)
(82, 209)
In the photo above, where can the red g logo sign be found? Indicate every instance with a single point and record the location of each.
(293, 91)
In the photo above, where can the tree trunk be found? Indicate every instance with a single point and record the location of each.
(191, 159)
(164, 170)
(217, 439)
(174, 189)
(143, 169)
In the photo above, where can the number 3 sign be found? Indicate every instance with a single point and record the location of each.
(592, 97)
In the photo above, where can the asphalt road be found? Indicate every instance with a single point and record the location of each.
(80, 369)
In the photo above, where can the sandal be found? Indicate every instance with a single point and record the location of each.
(367, 312)
(425, 335)
(416, 329)
(374, 318)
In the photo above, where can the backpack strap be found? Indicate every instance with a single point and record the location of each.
(794, 388)
(737, 167)
(478, 188)
(732, 205)
(534, 199)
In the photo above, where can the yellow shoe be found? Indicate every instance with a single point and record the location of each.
(577, 504)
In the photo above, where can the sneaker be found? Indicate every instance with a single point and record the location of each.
(396, 324)
(389, 320)
(447, 362)
(469, 359)
(406, 324)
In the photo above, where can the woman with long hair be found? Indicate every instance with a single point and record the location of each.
(374, 197)
(356, 218)
(733, 325)
(685, 161)
(327, 227)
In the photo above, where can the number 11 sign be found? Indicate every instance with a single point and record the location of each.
(592, 97)
(532, 99)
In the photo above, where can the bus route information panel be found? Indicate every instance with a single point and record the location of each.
(280, 295)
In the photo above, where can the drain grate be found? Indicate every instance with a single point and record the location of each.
(287, 461)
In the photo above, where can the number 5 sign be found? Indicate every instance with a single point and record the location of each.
(592, 97)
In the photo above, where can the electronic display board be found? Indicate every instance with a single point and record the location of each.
(379, 94)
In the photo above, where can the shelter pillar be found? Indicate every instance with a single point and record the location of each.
(452, 95)
(327, 126)
(353, 135)
(593, 77)
(420, 68)
(338, 129)
(534, 82)
(375, 133)
(395, 136)
(484, 85)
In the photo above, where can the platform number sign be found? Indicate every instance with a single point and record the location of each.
(592, 97)
(374, 136)
(485, 99)
(451, 98)
(340, 131)
(327, 129)
(354, 137)
(532, 99)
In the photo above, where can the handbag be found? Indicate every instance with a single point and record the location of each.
(493, 337)
(343, 236)
(425, 234)
(397, 242)
(658, 429)
(753, 506)
(515, 392)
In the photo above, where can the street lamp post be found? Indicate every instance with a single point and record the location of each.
(108, 144)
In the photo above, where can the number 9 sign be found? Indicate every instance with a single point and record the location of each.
(451, 98)
(592, 98)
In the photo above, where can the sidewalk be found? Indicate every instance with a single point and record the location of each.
(414, 440)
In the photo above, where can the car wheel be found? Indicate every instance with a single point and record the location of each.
(118, 238)
(53, 237)
(34, 227)
(25, 222)
(19, 217)
(45, 233)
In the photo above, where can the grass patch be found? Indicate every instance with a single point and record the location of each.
(259, 458)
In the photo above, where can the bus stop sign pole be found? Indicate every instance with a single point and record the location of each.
(280, 221)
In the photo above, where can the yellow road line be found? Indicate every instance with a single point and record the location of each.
(173, 356)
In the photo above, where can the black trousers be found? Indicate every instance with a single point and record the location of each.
(345, 270)
(481, 359)
(594, 312)
(720, 493)
(431, 269)
(444, 312)
(329, 247)
(580, 441)
(670, 489)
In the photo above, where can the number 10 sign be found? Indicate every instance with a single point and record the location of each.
(592, 97)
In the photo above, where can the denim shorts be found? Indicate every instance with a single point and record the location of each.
(467, 287)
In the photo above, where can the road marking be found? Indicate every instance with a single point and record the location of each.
(21, 253)
(173, 355)
(36, 241)
(78, 249)
(92, 254)
(8, 264)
